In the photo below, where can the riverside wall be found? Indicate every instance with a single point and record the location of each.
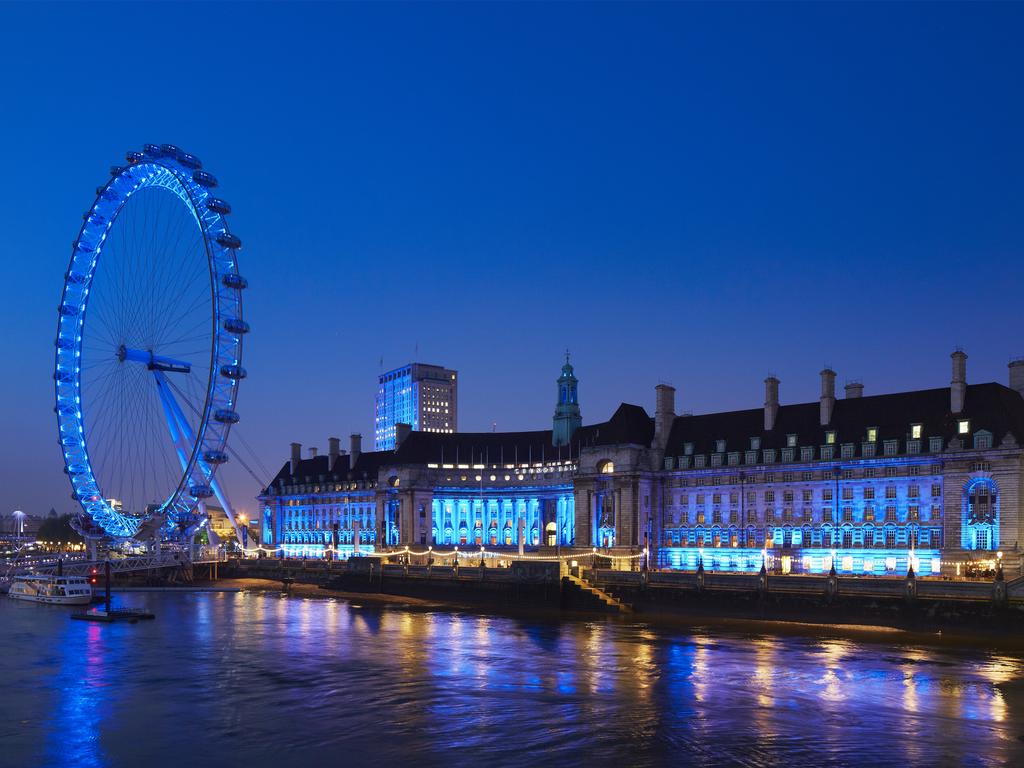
(922, 604)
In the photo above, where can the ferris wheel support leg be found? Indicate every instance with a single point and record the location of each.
(181, 432)
(166, 400)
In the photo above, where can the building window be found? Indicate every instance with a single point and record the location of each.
(827, 452)
(720, 446)
(846, 451)
(982, 440)
(716, 459)
(606, 467)
(915, 431)
(790, 441)
(755, 443)
(807, 454)
(699, 461)
(889, 447)
(872, 434)
(688, 449)
(867, 450)
(963, 427)
(981, 503)
(734, 458)
(787, 455)
(769, 456)
(830, 437)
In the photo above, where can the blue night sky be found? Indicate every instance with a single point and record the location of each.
(698, 194)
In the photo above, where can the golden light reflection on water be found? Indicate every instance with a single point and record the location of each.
(432, 682)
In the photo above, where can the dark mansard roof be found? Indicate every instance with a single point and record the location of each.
(991, 407)
(318, 469)
(629, 424)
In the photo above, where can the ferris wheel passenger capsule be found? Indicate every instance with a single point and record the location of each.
(232, 280)
(204, 179)
(229, 241)
(225, 416)
(217, 205)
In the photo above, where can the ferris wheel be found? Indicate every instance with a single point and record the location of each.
(149, 348)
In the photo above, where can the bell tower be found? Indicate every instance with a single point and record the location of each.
(567, 409)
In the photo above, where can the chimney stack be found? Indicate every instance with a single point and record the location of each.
(1017, 375)
(828, 395)
(333, 451)
(355, 448)
(958, 386)
(664, 413)
(854, 389)
(771, 402)
(401, 432)
(312, 453)
(296, 456)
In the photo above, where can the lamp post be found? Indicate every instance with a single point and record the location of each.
(243, 522)
(19, 516)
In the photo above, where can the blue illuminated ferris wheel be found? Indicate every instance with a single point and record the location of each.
(149, 349)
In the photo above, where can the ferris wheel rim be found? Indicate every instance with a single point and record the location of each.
(168, 167)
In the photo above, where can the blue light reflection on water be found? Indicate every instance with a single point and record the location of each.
(227, 679)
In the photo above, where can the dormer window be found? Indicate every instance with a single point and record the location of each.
(963, 427)
(688, 449)
(915, 431)
(790, 441)
(720, 446)
(830, 437)
(872, 434)
(755, 443)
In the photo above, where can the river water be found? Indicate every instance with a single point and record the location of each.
(257, 679)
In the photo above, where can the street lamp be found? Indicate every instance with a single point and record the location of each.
(243, 522)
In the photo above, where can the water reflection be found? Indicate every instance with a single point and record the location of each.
(263, 679)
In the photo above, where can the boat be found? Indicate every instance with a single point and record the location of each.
(57, 590)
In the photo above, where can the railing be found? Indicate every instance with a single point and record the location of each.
(867, 586)
(80, 566)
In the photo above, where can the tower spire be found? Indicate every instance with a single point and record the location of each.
(567, 408)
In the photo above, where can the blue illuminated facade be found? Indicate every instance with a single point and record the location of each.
(423, 396)
(869, 486)
(492, 517)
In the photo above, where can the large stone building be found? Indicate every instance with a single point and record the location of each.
(869, 485)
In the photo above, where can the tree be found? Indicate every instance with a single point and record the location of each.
(58, 529)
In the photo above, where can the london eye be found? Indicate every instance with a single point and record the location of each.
(149, 349)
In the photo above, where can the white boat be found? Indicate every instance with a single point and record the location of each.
(58, 590)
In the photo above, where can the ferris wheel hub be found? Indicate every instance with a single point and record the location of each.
(153, 362)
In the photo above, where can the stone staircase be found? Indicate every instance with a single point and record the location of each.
(596, 597)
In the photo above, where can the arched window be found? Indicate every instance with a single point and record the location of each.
(606, 467)
(981, 514)
(981, 503)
